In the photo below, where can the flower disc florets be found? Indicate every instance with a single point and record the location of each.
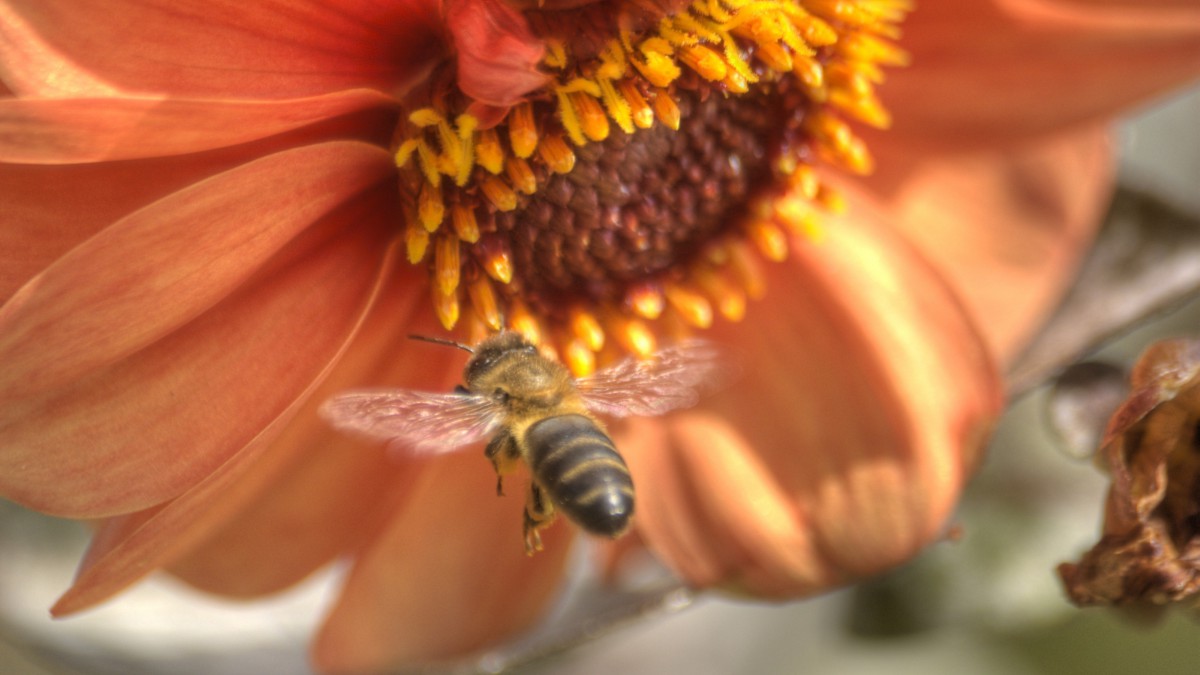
(634, 192)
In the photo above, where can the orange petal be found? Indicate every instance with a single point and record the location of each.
(448, 575)
(52, 131)
(336, 492)
(844, 448)
(497, 54)
(128, 547)
(128, 331)
(220, 48)
(1006, 226)
(989, 71)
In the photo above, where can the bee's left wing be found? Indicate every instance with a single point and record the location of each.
(669, 380)
(414, 422)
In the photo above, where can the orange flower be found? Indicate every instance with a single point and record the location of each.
(206, 235)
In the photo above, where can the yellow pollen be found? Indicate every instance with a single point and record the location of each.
(646, 299)
(430, 208)
(483, 300)
(748, 270)
(557, 155)
(416, 241)
(465, 224)
(666, 110)
(499, 193)
(496, 260)
(522, 131)
(691, 305)
(639, 110)
(523, 321)
(771, 240)
(586, 328)
(445, 306)
(488, 152)
(579, 358)
(707, 63)
(634, 335)
(592, 120)
(729, 299)
(447, 264)
(521, 176)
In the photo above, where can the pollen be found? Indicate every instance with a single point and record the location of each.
(673, 153)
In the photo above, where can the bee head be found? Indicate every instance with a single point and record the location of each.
(493, 351)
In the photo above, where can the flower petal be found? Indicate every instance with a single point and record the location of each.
(51, 131)
(335, 492)
(448, 575)
(127, 548)
(99, 340)
(986, 71)
(497, 53)
(222, 48)
(866, 396)
(1006, 226)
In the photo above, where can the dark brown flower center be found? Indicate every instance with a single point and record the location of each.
(636, 206)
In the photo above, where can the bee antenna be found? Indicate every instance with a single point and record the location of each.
(442, 341)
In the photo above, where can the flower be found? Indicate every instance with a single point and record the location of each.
(206, 236)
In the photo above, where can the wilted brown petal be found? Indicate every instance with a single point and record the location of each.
(1150, 550)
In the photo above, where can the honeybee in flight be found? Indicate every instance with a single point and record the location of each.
(535, 412)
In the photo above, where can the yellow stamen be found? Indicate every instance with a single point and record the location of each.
(616, 105)
(416, 241)
(522, 130)
(499, 193)
(693, 307)
(445, 306)
(495, 259)
(523, 321)
(657, 65)
(430, 207)
(446, 263)
(771, 240)
(488, 151)
(639, 109)
(586, 328)
(592, 120)
(558, 156)
(747, 268)
(521, 175)
(707, 63)
(579, 358)
(465, 224)
(645, 299)
(729, 299)
(774, 56)
(475, 328)
(634, 335)
(483, 300)
(666, 110)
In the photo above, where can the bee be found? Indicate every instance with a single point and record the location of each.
(535, 413)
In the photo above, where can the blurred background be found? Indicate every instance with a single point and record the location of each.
(989, 603)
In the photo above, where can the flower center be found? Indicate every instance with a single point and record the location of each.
(628, 196)
(637, 207)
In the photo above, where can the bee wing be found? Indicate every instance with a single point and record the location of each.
(418, 422)
(672, 379)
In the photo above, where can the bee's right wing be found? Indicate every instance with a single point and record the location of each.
(415, 422)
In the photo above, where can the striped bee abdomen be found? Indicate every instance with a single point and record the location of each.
(578, 467)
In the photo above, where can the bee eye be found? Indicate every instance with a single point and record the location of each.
(501, 395)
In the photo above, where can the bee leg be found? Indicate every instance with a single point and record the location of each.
(502, 451)
(539, 513)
